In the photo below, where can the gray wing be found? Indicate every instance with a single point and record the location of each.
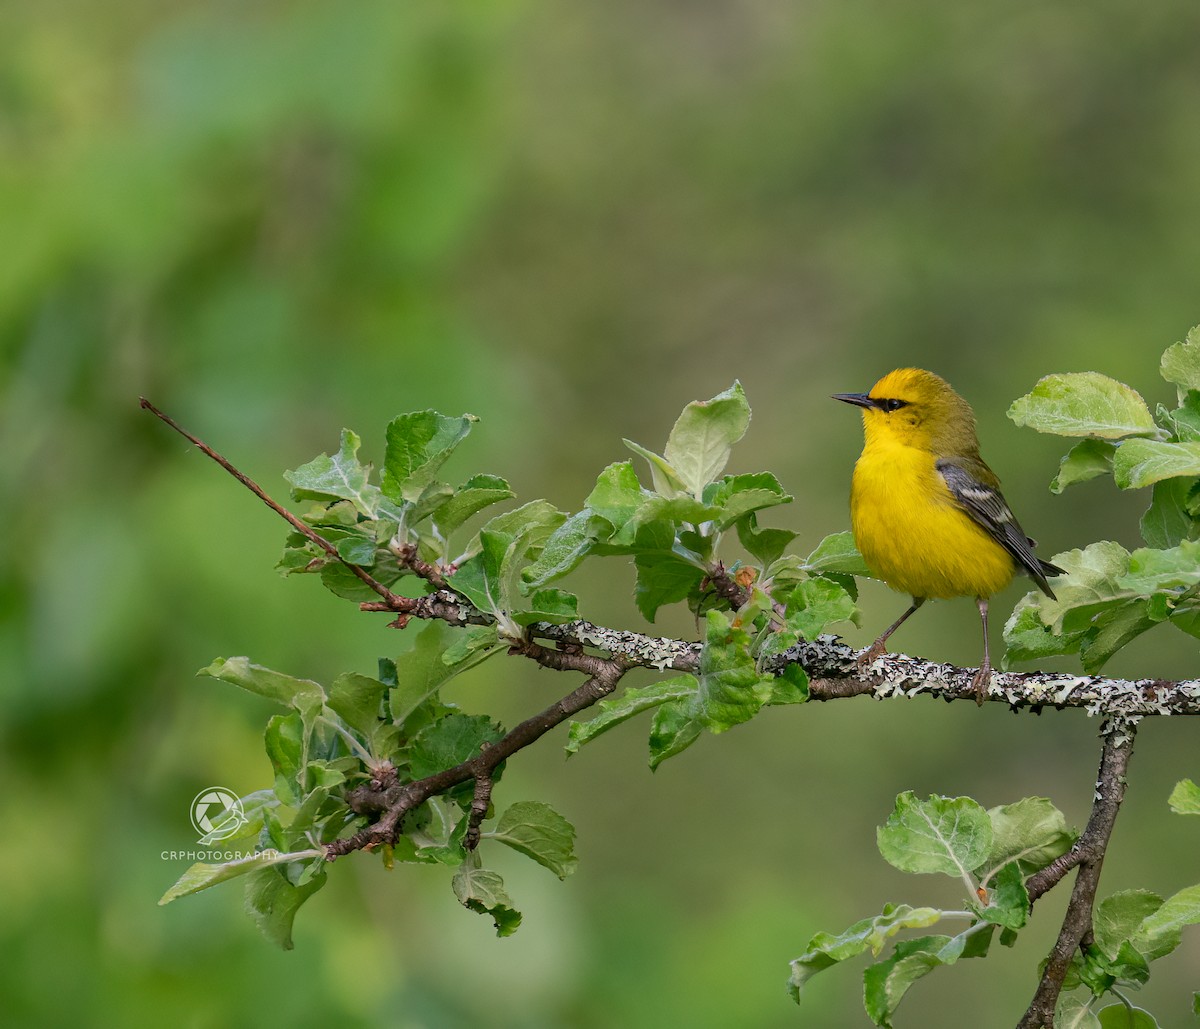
(988, 508)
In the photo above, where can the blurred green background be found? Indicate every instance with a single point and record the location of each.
(277, 219)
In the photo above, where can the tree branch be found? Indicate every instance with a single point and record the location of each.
(1088, 854)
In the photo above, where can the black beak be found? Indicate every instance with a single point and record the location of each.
(857, 399)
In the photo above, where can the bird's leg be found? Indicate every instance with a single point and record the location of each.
(877, 649)
(984, 676)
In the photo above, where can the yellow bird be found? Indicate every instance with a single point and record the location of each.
(926, 510)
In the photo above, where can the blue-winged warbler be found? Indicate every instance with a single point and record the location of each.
(926, 510)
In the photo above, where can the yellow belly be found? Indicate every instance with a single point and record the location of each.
(912, 533)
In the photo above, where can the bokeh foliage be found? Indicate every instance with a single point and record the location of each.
(277, 219)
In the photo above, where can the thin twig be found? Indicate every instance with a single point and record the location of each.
(283, 512)
(1088, 854)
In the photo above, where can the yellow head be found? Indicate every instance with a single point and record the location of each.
(915, 408)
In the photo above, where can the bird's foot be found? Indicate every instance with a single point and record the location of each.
(980, 683)
(872, 654)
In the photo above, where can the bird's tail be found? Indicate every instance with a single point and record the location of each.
(1049, 570)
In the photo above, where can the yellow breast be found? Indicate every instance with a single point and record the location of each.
(912, 533)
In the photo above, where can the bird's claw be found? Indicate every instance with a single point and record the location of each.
(980, 683)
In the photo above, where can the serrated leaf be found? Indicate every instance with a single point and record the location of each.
(730, 690)
(1028, 638)
(738, 495)
(1031, 832)
(477, 493)
(477, 642)
(1183, 423)
(1185, 798)
(1151, 570)
(418, 444)
(481, 890)
(1160, 933)
(1140, 462)
(538, 832)
(1092, 583)
(663, 578)
(1118, 1016)
(837, 552)
(1088, 459)
(358, 699)
(666, 480)
(673, 729)
(767, 545)
(703, 436)
(1166, 522)
(1112, 629)
(617, 494)
(420, 672)
(550, 605)
(286, 745)
(815, 604)
(1083, 404)
(614, 711)
(1118, 917)
(338, 477)
(272, 901)
(1073, 1011)
(1181, 362)
(950, 835)
(1008, 900)
(886, 982)
(567, 546)
(304, 695)
(450, 741)
(825, 949)
(202, 875)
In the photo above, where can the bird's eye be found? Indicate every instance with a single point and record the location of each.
(893, 404)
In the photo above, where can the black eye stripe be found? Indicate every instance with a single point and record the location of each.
(893, 404)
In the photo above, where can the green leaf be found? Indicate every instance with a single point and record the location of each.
(617, 494)
(286, 740)
(450, 741)
(1140, 462)
(826, 950)
(1152, 570)
(837, 553)
(473, 645)
(538, 832)
(816, 604)
(667, 482)
(1118, 1016)
(1088, 459)
(1185, 798)
(1118, 917)
(304, 695)
(554, 606)
(419, 674)
(417, 446)
(663, 578)
(1160, 933)
(951, 835)
(569, 544)
(886, 982)
(201, 875)
(703, 436)
(272, 901)
(1028, 638)
(479, 578)
(1008, 900)
(469, 499)
(738, 495)
(1166, 522)
(1183, 423)
(338, 477)
(358, 699)
(1083, 404)
(1073, 1011)
(1031, 832)
(1090, 585)
(1181, 363)
(614, 711)
(673, 729)
(482, 891)
(766, 545)
(1113, 629)
(731, 690)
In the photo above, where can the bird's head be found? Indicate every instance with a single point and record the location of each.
(916, 408)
